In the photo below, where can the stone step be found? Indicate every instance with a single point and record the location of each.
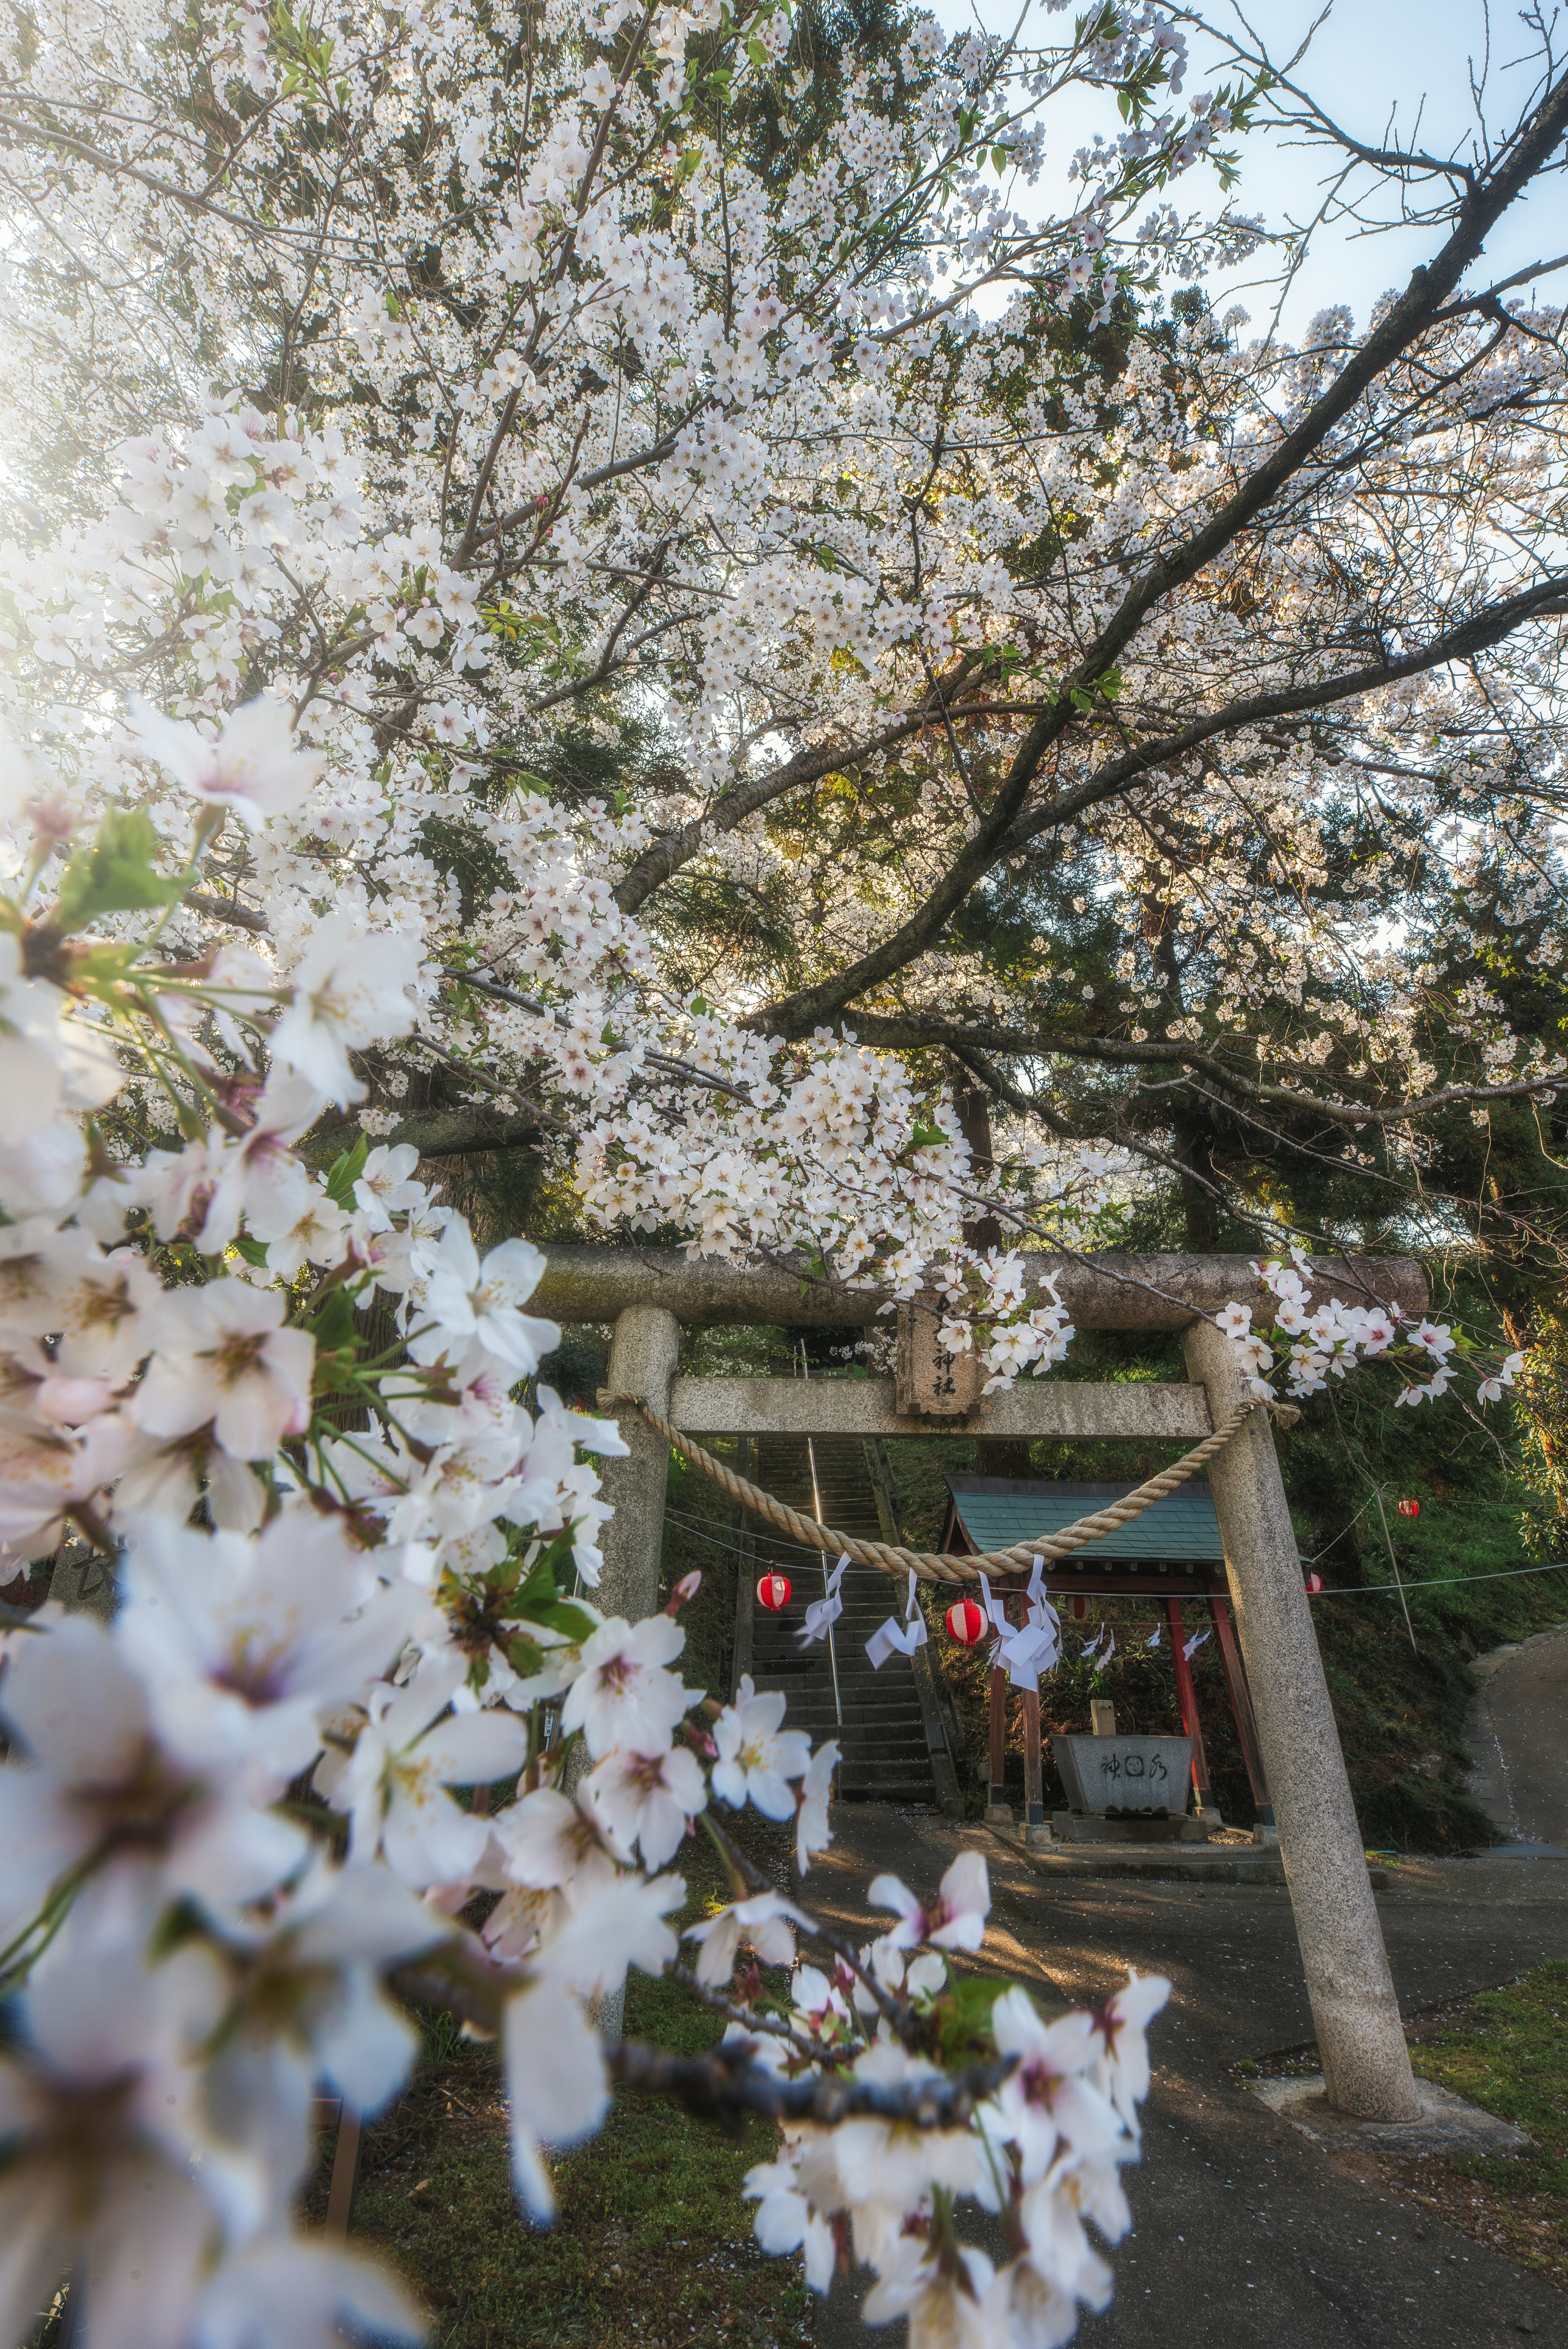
(851, 1660)
(901, 1784)
(910, 1744)
(882, 1734)
(802, 1702)
(824, 1722)
(872, 1778)
(817, 1704)
(876, 1749)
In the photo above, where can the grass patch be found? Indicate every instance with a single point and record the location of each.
(1507, 2052)
(653, 2243)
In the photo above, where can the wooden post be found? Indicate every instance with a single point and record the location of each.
(998, 1798)
(1241, 1707)
(345, 2155)
(1187, 1696)
(1033, 1789)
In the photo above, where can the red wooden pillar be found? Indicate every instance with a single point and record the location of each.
(1188, 1697)
(1242, 1707)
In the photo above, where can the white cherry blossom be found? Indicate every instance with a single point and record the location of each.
(764, 1923)
(954, 1920)
(223, 1359)
(92, 1780)
(646, 1800)
(244, 1644)
(404, 1760)
(461, 1300)
(251, 765)
(758, 1756)
(349, 989)
(622, 1694)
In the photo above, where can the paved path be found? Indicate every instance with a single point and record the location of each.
(1248, 2236)
(1518, 1731)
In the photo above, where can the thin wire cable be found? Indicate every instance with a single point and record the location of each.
(1339, 1537)
(745, 1549)
(1438, 1581)
(697, 1529)
(1398, 1584)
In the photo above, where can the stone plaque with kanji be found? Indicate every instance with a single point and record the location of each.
(933, 1382)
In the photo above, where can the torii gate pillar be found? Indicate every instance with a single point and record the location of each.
(1366, 2063)
(641, 1362)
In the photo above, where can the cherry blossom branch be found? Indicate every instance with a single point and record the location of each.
(727, 2085)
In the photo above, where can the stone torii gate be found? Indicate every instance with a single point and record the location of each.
(647, 1294)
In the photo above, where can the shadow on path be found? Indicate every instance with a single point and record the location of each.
(1247, 2236)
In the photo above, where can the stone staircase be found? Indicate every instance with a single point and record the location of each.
(886, 1757)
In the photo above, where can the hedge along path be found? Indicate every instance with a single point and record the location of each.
(947, 1566)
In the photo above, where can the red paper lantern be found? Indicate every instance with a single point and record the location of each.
(1313, 1584)
(965, 1623)
(1409, 1508)
(773, 1591)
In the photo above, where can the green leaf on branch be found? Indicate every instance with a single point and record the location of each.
(345, 1171)
(117, 874)
(332, 1326)
(538, 1599)
(525, 1656)
(963, 2016)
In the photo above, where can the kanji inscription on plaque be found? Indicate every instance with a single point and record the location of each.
(933, 1382)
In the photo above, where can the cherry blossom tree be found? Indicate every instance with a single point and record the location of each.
(525, 390)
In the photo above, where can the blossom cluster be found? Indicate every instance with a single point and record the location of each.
(1328, 1341)
(296, 546)
(1043, 2152)
(640, 468)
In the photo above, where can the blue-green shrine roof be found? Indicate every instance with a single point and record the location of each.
(999, 1512)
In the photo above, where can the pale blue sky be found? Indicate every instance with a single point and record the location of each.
(1371, 60)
